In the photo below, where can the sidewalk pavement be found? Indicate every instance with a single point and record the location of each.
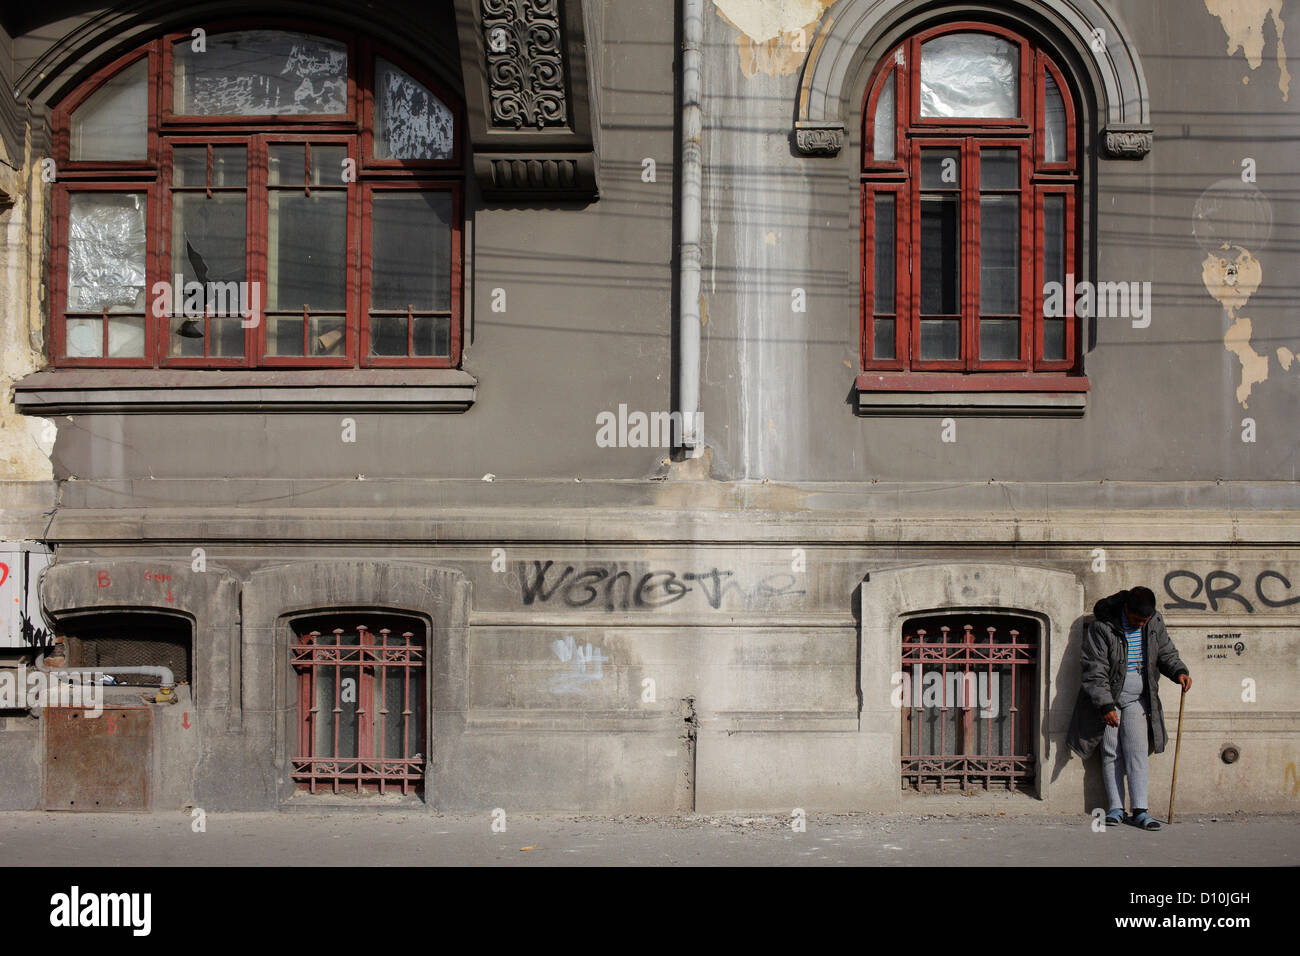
(401, 838)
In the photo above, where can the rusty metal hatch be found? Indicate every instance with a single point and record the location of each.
(98, 763)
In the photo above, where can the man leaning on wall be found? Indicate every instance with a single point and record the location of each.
(1125, 650)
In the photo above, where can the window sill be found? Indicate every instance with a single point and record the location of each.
(123, 391)
(991, 395)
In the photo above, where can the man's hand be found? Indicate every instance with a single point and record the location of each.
(1111, 717)
(1186, 681)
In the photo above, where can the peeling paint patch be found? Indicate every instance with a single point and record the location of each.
(775, 35)
(1232, 281)
(1254, 367)
(1243, 21)
(1285, 357)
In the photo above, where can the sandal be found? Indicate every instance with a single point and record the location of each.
(1144, 821)
(1115, 817)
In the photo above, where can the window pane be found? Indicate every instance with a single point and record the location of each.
(940, 338)
(113, 124)
(999, 255)
(288, 162)
(410, 122)
(85, 338)
(186, 338)
(940, 169)
(388, 335)
(190, 166)
(1054, 150)
(261, 73)
(323, 705)
(284, 336)
(227, 338)
(884, 133)
(229, 166)
(307, 252)
(412, 251)
(882, 338)
(208, 240)
(940, 275)
(999, 169)
(327, 165)
(125, 336)
(970, 75)
(431, 335)
(999, 339)
(106, 252)
(397, 728)
(883, 285)
(1054, 340)
(327, 335)
(1054, 271)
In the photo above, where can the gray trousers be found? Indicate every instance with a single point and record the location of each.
(1124, 748)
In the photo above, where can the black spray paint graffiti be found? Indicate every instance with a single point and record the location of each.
(33, 636)
(622, 591)
(1225, 591)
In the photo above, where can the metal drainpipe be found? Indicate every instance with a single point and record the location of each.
(688, 372)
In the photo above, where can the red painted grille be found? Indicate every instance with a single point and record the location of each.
(360, 709)
(949, 740)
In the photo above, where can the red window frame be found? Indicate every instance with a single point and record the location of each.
(62, 201)
(153, 177)
(163, 329)
(428, 185)
(901, 177)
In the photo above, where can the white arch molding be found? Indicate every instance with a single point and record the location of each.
(850, 29)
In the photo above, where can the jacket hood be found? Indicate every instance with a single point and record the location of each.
(1110, 608)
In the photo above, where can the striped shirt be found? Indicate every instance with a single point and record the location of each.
(1134, 636)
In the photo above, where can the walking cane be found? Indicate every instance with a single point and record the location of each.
(1178, 743)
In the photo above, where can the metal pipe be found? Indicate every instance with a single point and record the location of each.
(162, 673)
(688, 372)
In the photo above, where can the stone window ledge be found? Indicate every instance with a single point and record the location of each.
(86, 391)
(1011, 395)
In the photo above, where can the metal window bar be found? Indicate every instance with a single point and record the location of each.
(360, 759)
(1008, 660)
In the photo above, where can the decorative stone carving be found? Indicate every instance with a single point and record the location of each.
(559, 175)
(525, 63)
(819, 140)
(1128, 143)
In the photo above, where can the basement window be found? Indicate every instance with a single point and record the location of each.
(969, 702)
(131, 639)
(361, 703)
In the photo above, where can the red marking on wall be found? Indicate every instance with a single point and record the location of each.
(185, 720)
(103, 579)
(4, 573)
(112, 723)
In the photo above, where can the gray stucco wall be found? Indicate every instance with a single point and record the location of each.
(1155, 472)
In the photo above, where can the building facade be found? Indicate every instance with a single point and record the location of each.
(569, 404)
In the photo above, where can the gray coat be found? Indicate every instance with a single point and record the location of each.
(1104, 659)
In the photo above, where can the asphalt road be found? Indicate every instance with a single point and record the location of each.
(399, 838)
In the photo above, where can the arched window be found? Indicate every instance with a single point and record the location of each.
(970, 180)
(258, 197)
